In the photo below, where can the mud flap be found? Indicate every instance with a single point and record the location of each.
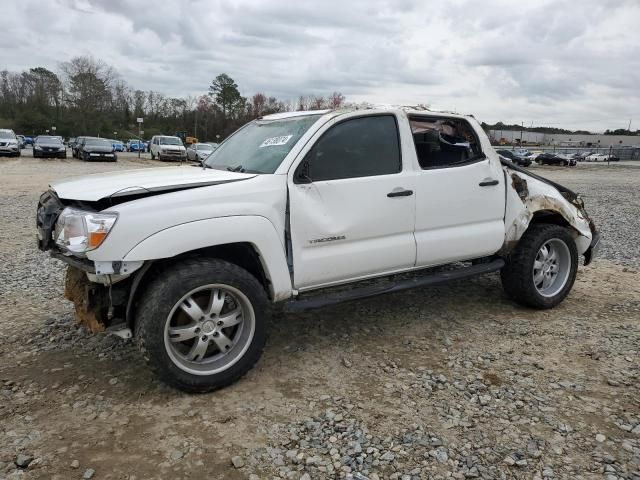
(91, 301)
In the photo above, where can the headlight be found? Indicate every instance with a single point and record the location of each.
(36, 147)
(80, 231)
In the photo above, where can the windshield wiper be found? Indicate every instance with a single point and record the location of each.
(239, 169)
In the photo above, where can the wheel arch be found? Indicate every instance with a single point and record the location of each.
(242, 254)
(250, 242)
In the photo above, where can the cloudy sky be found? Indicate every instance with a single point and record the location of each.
(572, 64)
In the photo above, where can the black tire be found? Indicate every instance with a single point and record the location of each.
(153, 157)
(163, 295)
(517, 274)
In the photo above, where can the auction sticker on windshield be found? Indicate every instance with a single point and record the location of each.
(274, 141)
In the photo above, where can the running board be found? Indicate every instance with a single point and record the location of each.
(430, 278)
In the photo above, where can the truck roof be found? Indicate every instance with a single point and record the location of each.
(409, 109)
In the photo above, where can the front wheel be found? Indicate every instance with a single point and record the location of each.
(541, 270)
(153, 157)
(202, 325)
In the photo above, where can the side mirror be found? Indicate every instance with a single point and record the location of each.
(302, 173)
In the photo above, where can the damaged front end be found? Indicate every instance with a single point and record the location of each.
(533, 198)
(100, 291)
(99, 304)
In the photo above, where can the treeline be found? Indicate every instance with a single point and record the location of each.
(516, 127)
(87, 97)
(621, 131)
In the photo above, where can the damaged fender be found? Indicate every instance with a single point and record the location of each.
(529, 194)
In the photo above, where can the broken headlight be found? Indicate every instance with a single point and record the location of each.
(80, 231)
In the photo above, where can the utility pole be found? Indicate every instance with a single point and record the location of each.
(522, 128)
(139, 120)
(629, 129)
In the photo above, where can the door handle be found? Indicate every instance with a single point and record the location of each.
(488, 182)
(400, 193)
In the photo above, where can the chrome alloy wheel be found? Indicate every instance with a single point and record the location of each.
(209, 329)
(552, 267)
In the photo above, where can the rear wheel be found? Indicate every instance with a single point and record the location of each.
(202, 325)
(541, 270)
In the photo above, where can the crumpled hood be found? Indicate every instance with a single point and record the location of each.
(95, 187)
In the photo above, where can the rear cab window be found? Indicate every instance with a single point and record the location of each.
(442, 142)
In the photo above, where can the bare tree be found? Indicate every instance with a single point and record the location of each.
(335, 100)
(89, 84)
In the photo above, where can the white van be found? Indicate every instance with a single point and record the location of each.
(164, 147)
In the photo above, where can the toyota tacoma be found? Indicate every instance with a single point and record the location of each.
(302, 210)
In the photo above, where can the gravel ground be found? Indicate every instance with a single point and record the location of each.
(448, 382)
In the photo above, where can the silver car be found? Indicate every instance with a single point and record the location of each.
(198, 152)
(9, 143)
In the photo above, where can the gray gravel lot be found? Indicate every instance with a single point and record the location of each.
(453, 381)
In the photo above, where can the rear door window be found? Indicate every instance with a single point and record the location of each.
(444, 142)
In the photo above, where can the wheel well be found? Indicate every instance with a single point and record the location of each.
(243, 255)
(549, 216)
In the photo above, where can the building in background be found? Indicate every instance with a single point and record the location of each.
(509, 137)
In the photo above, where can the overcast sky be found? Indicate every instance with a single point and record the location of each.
(572, 64)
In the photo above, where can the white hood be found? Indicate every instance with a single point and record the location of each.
(98, 186)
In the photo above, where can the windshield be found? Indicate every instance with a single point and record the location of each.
(170, 141)
(98, 142)
(260, 146)
(45, 139)
(6, 135)
(203, 146)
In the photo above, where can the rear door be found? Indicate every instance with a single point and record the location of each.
(460, 201)
(352, 204)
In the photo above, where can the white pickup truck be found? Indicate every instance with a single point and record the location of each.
(298, 209)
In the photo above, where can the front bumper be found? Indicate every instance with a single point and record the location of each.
(169, 155)
(9, 149)
(593, 249)
(101, 156)
(49, 153)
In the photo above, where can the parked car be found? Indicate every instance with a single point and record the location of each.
(570, 158)
(167, 148)
(118, 146)
(9, 143)
(28, 141)
(49, 146)
(596, 157)
(602, 157)
(580, 157)
(523, 152)
(77, 144)
(197, 152)
(97, 149)
(514, 157)
(190, 261)
(21, 141)
(551, 159)
(133, 145)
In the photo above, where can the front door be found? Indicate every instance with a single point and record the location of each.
(352, 205)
